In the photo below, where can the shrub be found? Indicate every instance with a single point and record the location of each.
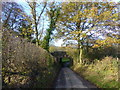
(25, 64)
(104, 73)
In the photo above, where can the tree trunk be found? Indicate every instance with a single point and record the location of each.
(80, 58)
(78, 51)
(36, 30)
(79, 42)
(37, 40)
(87, 47)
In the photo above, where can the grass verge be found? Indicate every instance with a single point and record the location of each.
(103, 73)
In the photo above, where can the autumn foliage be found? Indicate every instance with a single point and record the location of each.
(25, 64)
(103, 73)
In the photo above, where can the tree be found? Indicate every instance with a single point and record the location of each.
(12, 15)
(26, 31)
(53, 14)
(36, 15)
(79, 19)
(107, 42)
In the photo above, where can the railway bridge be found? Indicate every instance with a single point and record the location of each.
(63, 58)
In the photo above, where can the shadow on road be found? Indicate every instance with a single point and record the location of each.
(69, 80)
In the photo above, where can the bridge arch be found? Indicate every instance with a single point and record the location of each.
(61, 56)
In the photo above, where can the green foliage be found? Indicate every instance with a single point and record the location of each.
(78, 20)
(107, 42)
(99, 53)
(46, 40)
(26, 65)
(73, 53)
(65, 59)
(53, 15)
(93, 53)
(103, 73)
(55, 48)
(26, 32)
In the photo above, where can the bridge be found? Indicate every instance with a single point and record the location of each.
(63, 58)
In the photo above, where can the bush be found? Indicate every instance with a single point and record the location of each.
(104, 73)
(25, 64)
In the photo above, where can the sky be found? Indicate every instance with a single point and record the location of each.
(59, 42)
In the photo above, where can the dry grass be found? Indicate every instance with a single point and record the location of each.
(104, 73)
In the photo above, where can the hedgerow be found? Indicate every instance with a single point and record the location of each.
(25, 65)
(103, 73)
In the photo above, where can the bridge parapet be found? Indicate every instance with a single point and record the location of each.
(59, 55)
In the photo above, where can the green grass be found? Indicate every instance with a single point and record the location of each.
(65, 59)
(103, 73)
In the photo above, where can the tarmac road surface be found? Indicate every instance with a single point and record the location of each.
(69, 79)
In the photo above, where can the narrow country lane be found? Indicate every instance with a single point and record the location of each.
(69, 79)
